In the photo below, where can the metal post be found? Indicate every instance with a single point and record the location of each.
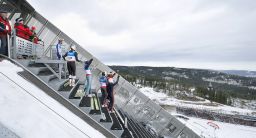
(14, 46)
(29, 18)
(65, 69)
(60, 68)
(125, 122)
(43, 27)
(49, 47)
(12, 14)
(8, 46)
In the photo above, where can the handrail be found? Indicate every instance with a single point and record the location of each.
(59, 62)
(47, 50)
(119, 116)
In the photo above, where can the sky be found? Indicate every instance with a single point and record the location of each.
(210, 34)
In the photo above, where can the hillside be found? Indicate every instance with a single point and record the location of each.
(184, 83)
(240, 72)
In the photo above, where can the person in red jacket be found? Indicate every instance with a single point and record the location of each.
(28, 32)
(20, 29)
(5, 29)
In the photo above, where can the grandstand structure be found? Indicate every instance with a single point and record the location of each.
(135, 114)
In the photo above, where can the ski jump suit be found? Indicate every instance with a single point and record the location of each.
(103, 88)
(58, 51)
(71, 58)
(88, 81)
(110, 90)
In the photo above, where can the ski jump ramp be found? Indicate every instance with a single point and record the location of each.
(128, 98)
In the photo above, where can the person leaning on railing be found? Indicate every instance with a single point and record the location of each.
(22, 30)
(5, 29)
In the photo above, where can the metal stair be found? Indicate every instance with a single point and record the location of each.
(108, 121)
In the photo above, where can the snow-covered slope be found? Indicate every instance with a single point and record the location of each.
(30, 113)
(223, 130)
(201, 126)
(163, 99)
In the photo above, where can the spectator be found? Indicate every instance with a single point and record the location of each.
(58, 49)
(71, 57)
(5, 29)
(103, 87)
(27, 32)
(34, 37)
(88, 81)
(20, 29)
(110, 90)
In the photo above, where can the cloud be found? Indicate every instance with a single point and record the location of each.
(163, 32)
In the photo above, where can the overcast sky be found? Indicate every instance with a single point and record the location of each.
(214, 34)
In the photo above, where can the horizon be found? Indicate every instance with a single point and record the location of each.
(184, 67)
(193, 34)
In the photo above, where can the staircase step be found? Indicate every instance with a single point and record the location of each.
(107, 115)
(106, 124)
(75, 101)
(118, 133)
(85, 102)
(47, 78)
(56, 83)
(116, 124)
(36, 70)
(36, 65)
(66, 87)
(116, 127)
(86, 109)
(45, 73)
(74, 91)
(126, 134)
(96, 117)
(65, 94)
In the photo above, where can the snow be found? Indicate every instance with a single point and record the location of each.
(225, 130)
(224, 81)
(30, 113)
(200, 126)
(163, 99)
(183, 75)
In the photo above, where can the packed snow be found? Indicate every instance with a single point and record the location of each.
(215, 129)
(202, 126)
(30, 113)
